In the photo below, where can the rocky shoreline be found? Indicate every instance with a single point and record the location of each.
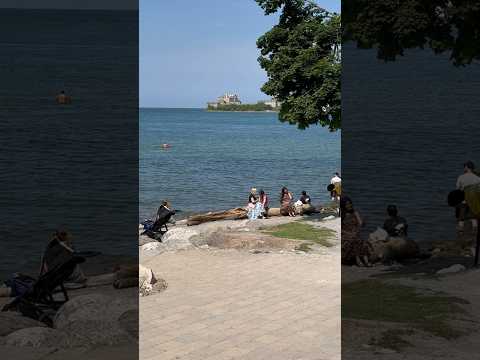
(98, 320)
(236, 234)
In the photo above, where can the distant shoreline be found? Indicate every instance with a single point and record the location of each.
(240, 111)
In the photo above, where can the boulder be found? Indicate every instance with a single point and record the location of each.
(148, 283)
(378, 235)
(386, 248)
(144, 239)
(89, 333)
(451, 269)
(330, 217)
(37, 337)
(92, 307)
(129, 322)
(399, 248)
(179, 238)
(151, 246)
(12, 321)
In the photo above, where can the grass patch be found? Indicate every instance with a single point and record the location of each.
(300, 231)
(375, 300)
(306, 247)
(393, 339)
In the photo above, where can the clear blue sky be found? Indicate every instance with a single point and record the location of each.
(192, 51)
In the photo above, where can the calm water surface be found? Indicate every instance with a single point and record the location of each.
(216, 157)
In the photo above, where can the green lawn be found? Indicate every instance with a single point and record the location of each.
(300, 231)
(375, 300)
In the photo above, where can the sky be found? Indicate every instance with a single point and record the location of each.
(193, 51)
(70, 4)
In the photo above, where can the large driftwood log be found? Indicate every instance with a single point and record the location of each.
(238, 214)
(232, 214)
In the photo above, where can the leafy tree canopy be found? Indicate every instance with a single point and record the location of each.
(395, 25)
(301, 55)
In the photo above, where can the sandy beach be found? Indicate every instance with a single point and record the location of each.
(249, 302)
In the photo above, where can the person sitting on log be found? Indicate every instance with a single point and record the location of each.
(263, 200)
(254, 206)
(305, 199)
(395, 225)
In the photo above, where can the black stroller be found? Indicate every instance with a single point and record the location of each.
(153, 229)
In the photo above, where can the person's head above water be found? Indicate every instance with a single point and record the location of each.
(262, 192)
(392, 210)
(469, 166)
(166, 203)
(253, 190)
(304, 193)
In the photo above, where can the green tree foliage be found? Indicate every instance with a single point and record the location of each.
(395, 25)
(301, 55)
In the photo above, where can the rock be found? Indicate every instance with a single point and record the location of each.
(179, 238)
(129, 322)
(378, 235)
(330, 217)
(451, 269)
(93, 307)
(37, 337)
(154, 245)
(12, 321)
(148, 283)
(144, 239)
(145, 278)
(89, 333)
(387, 248)
(384, 351)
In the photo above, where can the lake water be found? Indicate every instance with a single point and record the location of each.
(216, 157)
(408, 126)
(76, 166)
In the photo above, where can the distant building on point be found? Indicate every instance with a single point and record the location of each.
(274, 103)
(225, 99)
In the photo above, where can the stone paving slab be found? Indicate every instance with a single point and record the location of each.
(236, 305)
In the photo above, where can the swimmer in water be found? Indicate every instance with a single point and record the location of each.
(63, 99)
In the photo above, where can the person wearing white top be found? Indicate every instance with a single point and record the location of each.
(468, 178)
(336, 179)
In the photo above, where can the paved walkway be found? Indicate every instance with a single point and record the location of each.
(228, 304)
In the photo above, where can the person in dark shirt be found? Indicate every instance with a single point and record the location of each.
(164, 210)
(305, 199)
(395, 225)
